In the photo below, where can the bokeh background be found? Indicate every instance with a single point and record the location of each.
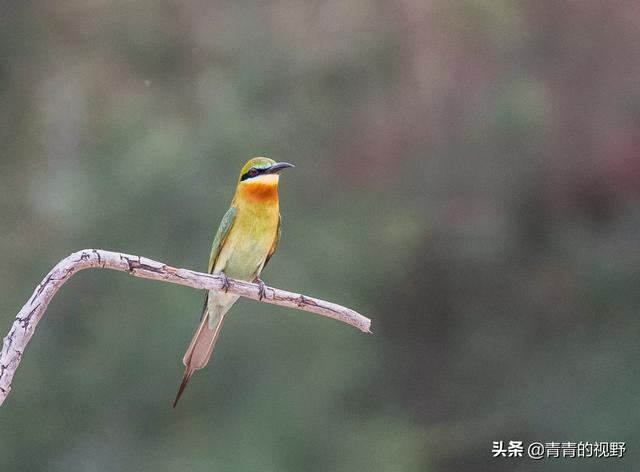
(468, 175)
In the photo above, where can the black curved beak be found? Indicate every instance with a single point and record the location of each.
(277, 167)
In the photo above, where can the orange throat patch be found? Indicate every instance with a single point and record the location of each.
(264, 189)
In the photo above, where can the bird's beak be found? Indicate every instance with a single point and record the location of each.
(277, 167)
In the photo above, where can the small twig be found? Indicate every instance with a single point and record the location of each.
(27, 319)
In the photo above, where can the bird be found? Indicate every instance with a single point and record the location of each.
(246, 239)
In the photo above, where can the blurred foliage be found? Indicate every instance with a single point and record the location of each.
(468, 174)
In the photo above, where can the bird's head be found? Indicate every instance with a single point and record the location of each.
(260, 176)
(262, 170)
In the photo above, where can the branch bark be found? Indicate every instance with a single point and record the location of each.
(15, 342)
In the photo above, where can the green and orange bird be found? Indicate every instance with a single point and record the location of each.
(246, 239)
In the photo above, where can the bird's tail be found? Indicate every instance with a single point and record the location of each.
(199, 351)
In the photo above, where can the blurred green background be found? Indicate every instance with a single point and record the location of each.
(468, 175)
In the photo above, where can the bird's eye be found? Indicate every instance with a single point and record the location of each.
(253, 172)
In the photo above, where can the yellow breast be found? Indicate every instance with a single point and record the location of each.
(254, 229)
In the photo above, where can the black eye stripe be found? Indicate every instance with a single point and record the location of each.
(253, 172)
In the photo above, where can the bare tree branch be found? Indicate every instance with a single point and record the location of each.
(25, 323)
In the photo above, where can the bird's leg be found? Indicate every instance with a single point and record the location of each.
(262, 291)
(225, 282)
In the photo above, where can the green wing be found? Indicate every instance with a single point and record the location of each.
(223, 231)
(218, 241)
(276, 241)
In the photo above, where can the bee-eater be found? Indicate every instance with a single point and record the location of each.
(246, 239)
